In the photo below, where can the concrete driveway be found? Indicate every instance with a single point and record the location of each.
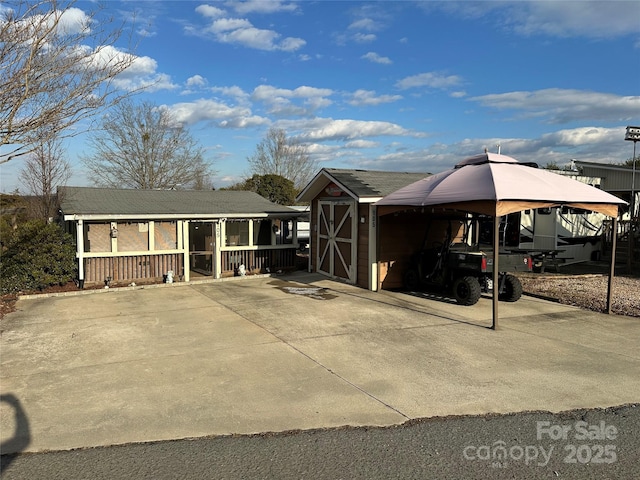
(292, 352)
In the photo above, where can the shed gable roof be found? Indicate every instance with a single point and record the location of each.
(105, 202)
(360, 184)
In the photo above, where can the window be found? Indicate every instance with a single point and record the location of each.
(133, 236)
(165, 237)
(237, 233)
(262, 232)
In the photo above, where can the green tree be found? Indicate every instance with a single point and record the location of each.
(37, 255)
(274, 188)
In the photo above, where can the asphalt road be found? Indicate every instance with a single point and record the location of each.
(581, 444)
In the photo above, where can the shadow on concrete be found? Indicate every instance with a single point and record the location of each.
(9, 449)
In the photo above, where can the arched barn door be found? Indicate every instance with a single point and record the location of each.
(336, 252)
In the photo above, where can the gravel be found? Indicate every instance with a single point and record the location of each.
(587, 291)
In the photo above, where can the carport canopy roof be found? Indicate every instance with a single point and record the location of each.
(497, 185)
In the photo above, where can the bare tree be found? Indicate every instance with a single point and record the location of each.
(44, 170)
(57, 67)
(278, 155)
(142, 146)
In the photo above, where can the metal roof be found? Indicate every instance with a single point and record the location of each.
(128, 203)
(360, 184)
(615, 178)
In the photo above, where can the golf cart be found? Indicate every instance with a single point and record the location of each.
(462, 265)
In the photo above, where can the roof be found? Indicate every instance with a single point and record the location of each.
(615, 178)
(87, 202)
(497, 185)
(360, 184)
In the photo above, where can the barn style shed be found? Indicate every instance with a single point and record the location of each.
(343, 228)
(131, 235)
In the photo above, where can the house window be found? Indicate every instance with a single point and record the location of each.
(165, 237)
(97, 237)
(237, 234)
(262, 232)
(133, 236)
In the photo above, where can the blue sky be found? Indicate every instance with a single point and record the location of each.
(386, 85)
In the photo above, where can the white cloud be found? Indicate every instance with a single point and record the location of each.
(234, 92)
(241, 31)
(209, 11)
(375, 58)
(73, 20)
(591, 144)
(365, 24)
(280, 100)
(562, 105)
(326, 129)
(196, 81)
(429, 79)
(222, 115)
(262, 6)
(362, 144)
(368, 98)
(589, 19)
(140, 74)
(364, 37)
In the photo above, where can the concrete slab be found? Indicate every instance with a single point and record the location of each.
(292, 352)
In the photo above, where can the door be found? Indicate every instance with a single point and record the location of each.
(201, 248)
(336, 252)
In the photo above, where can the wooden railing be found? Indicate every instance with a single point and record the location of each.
(628, 242)
(258, 260)
(131, 268)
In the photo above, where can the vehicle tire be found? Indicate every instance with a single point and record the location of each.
(466, 290)
(512, 289)
(411, 280)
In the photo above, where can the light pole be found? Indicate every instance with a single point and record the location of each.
(633, 135)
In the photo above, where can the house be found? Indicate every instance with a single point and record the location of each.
(620, 180)
(343, 221)
(131, 235)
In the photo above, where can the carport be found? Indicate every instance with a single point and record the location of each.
(496, 185)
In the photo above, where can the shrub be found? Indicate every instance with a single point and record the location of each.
(36, 256)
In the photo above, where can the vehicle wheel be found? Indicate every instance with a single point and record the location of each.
(466, 290)
(512, 289)
(411, 280)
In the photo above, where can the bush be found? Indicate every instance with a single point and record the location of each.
(36, 256)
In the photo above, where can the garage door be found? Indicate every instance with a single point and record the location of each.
(337, 239)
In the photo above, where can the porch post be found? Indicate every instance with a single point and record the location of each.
(612, 267)
(80, 251)
(217, 254)
(186, 260)
(373, 248)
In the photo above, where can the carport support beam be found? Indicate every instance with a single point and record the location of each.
(612, 267)
(496, 256)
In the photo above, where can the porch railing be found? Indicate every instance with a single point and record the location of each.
(131, 267)
(258, 260)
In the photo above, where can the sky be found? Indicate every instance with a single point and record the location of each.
(383, 85)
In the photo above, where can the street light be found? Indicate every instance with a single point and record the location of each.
(633, 135)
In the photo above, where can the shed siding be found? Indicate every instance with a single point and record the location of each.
(362, 278)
